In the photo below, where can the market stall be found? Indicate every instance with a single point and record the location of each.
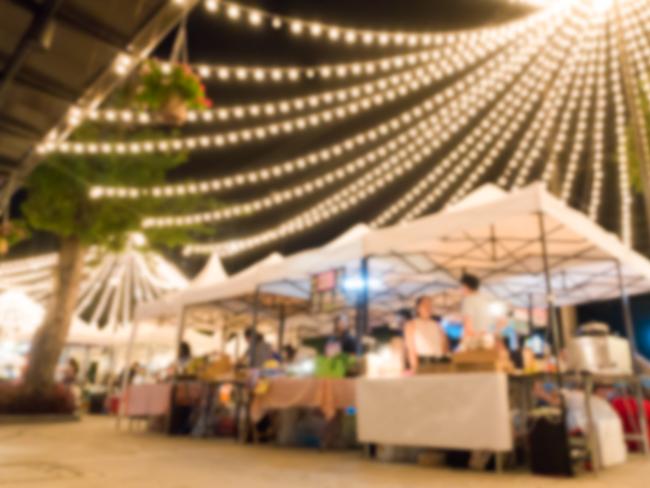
(449, 411)
(529, 250)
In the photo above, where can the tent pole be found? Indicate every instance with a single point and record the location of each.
(281, 325)
(253, 342)
(126, 373)
(179, 338)
(629, 331)
(550, 299)
(362, 305)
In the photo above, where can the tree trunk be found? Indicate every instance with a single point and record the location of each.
(50, 338)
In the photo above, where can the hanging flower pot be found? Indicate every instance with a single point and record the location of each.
(170, 90)
(174, 110)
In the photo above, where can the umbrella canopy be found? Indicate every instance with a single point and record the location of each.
(112, 284)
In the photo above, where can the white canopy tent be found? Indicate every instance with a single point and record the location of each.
(496, 235)
(113, 284)
(527, 247)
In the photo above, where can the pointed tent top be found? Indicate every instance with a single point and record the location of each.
(482, 195)
(212, 272)
(355, 232)
(270, 260)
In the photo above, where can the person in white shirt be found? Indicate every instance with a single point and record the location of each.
(424, 337)
(475, 310)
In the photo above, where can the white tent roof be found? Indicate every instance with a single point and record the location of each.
(170, 306)
(499, 242)
(492, 234)
(112, 283)
(212, 272)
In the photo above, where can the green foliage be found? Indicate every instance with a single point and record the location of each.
(157, 86)
(58, 198)
(634, 159)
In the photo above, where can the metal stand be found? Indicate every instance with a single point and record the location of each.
(592, 437)
(362, 306)
(125, 375)
(629, 331)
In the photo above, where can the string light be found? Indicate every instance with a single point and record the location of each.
(480, 138)
(374, 180)
(443, 68)
(543, 126)
(123, 64)
(598, 157)
(616, 84)
(368, 37)
(580, 136)
(549, 94)
(500, 62)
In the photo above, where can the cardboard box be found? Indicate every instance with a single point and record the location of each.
(478, 356)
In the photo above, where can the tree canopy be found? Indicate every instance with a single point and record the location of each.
(58, 195)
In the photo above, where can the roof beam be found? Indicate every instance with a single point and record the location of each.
(78, 20)
(38, 26)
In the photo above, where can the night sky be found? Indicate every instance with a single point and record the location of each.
(215, 40)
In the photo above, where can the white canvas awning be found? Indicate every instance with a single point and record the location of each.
(492, 234)
(212, 277)
(500, 242)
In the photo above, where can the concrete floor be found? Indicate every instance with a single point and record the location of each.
(91, 454)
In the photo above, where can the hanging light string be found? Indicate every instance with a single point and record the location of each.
(285, 168)
(350, 36)
(599, 130)
(440, 64)
(245, 135)
(545, 123)
(471, 174)
(402, 86)
(557, 96)
(435, 138)
(491, 133)
(633, 17)
(586, 105)
(371, 182)
(552, 168)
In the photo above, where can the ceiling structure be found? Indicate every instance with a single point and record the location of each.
(58, 57)
(329, 115)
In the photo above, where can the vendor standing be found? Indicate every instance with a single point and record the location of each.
(261, 350)
(475, 310)
(341, 341)
(426, 342)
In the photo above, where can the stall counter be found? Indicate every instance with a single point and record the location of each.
(328, 395)
(468, 411)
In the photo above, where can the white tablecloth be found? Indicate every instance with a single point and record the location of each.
(468, 411)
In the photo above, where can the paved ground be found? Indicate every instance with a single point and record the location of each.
(91, 454)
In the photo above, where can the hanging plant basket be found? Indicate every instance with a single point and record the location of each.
(174, 110)
(170, 90)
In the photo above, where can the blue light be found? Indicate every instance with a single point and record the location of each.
(357, 283)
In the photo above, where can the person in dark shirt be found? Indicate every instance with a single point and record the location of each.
(341, 341)
(262, 350)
